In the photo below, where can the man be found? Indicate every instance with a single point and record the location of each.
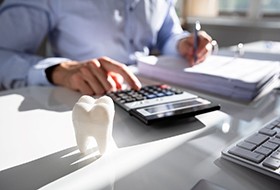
(91, 41)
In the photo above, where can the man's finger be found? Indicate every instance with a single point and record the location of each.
(129, 77)
(77, 83)
(118, 79)
(92, 82)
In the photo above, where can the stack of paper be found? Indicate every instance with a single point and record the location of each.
(235, 78)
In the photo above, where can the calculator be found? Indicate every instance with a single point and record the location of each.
(155, 103)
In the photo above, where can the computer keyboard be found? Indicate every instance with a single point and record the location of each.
(259, 151)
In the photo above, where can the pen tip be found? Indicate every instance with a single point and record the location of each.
(197, 25)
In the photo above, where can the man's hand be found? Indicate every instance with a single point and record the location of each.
(186, 47)
(94, 77)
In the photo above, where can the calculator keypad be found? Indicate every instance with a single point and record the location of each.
(147, 92)
(149, 95)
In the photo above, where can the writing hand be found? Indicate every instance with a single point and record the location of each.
(186, 47)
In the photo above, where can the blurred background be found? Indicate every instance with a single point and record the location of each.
(233, 21)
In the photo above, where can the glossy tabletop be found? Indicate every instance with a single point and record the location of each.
(38, 147)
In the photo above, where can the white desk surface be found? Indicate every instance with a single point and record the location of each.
(38, 148)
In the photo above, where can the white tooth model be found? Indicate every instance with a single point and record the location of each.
(93, 118)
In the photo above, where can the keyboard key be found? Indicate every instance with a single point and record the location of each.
(270, 126)
(270, 145)
(275, 140)
(276, 155)
(268, 132)
(246, 154)
(257, 139)
(277, 125)
(246, 145)
(263, 150)
(272, 163)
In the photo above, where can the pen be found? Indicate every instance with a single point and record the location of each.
(196, 39)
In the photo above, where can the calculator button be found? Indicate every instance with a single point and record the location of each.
(117, 99)
(176, 90)
(122, 101)
(130, 100)
(140, 98)
(150, 96)
(168, 93)
(160, 94)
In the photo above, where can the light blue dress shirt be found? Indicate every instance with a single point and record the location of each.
(81, 30)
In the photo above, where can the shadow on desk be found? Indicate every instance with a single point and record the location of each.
(128, 131)
(56, 98)
(40, 172)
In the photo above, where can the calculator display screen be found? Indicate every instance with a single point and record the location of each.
(175, 106)
(174, 110)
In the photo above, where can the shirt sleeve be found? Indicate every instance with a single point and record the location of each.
(23, 28)
(170, 33)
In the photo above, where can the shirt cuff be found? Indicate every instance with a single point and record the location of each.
(37, 74)
(170, 48)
